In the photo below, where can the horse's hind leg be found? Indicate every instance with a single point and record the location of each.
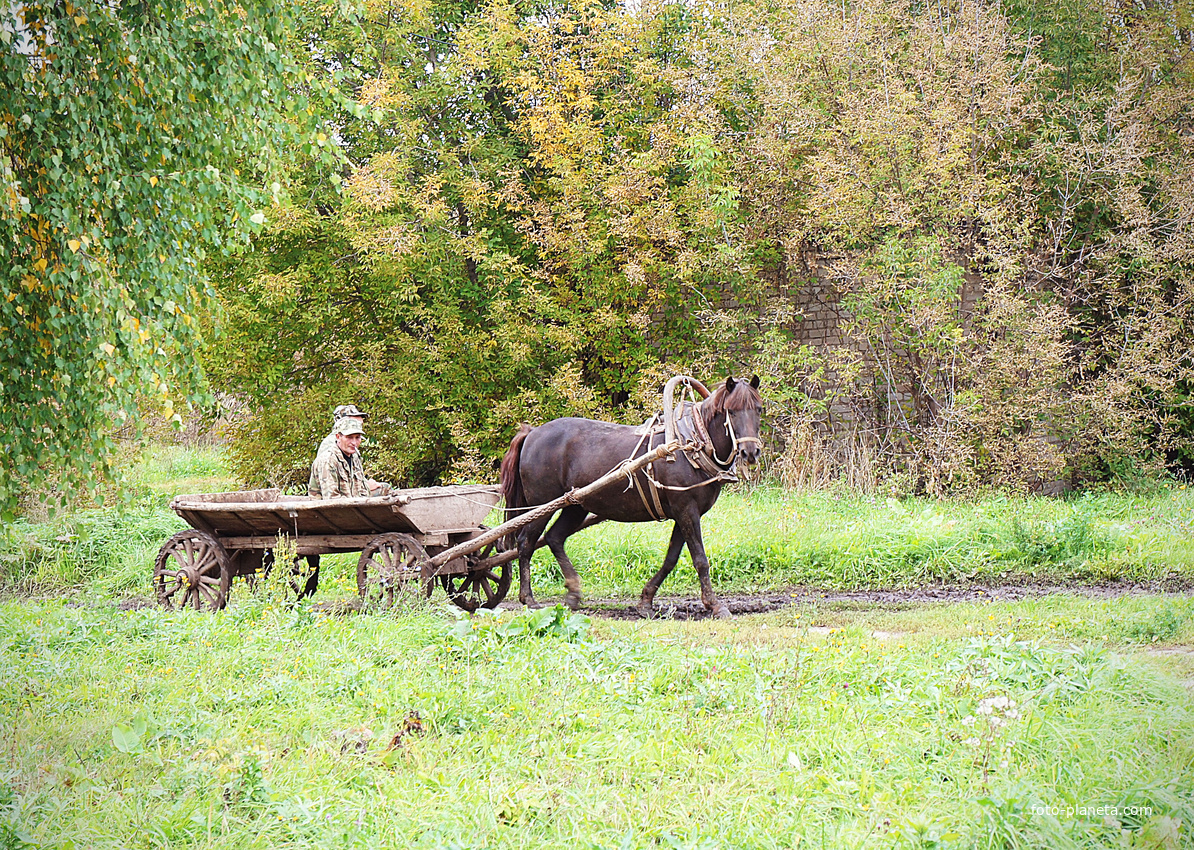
(571, 518)
(646, 602)
(527, 538)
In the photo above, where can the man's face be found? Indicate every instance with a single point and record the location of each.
(349, 443)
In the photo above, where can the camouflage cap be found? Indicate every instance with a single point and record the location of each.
(348, 410)
(349, 425)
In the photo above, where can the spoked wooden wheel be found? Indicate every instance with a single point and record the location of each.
(192, 571)
(483, 587)
(387, 564)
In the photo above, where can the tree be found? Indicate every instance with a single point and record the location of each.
(134, 139)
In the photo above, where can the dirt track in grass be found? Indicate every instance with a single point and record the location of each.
(895, 599)
(690, 608)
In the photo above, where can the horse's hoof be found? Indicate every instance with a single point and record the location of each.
(646, 610)
(721, 612)
(530, 602)
(572, 600)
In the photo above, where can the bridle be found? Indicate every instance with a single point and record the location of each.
(735, 443)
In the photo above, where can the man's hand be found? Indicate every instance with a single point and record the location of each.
(378, 488)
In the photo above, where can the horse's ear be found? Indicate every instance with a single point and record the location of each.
(754, 382)
(730, 384)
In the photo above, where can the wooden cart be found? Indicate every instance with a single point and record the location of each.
(421, 535)
(234, 534)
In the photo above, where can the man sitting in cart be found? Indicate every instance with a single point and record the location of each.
(337, 472)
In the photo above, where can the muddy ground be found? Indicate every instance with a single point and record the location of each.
(690, 608)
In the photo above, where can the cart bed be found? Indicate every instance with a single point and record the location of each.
(257, 513)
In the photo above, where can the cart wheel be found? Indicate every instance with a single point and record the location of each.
(480, 588)
(192, 570)
(388, 563)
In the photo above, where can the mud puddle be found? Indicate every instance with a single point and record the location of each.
(691, 608)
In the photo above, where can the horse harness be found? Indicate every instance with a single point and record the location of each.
(697, 448)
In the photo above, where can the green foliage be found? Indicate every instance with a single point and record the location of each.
(134, 139)
(544, 210)
(499, 252)
(1161, 624)
(103, 548)
(487, 628)
(554, 210)
(12, 836)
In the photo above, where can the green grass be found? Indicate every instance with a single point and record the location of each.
(769, 538)
(269, 727)
(978, 725)
(109, 550)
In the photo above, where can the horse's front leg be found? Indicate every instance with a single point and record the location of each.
(646, 601)
(696, 548)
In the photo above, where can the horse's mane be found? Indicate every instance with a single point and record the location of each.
(742, 397)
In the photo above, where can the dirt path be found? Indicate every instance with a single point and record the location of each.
(690, 608)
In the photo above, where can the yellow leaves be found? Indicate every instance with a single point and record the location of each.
(372, 186)
(108, 348)
(153, 181)
(381, 92)
(40, 265)
(475, 192)
(74, 245)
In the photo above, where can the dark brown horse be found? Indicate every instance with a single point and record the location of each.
(565, 454)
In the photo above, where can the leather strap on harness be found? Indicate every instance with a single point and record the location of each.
(654, 507)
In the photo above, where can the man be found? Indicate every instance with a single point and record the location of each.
(337, 472)
(342, 410)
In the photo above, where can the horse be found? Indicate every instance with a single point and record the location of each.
(547, 462)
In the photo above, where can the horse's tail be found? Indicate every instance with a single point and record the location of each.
(510, 480)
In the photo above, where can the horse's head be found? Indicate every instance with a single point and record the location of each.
(732, 417)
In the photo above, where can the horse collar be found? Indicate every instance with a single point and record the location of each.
(706, 458)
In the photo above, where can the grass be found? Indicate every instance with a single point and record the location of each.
(1060, 721)
(769, 538)
(762, 538)
(273, 727)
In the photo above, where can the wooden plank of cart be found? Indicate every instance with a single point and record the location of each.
(425, 535)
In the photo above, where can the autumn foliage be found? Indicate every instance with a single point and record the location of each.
(549, 209)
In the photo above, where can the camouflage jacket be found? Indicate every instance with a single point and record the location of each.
(337, 476)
